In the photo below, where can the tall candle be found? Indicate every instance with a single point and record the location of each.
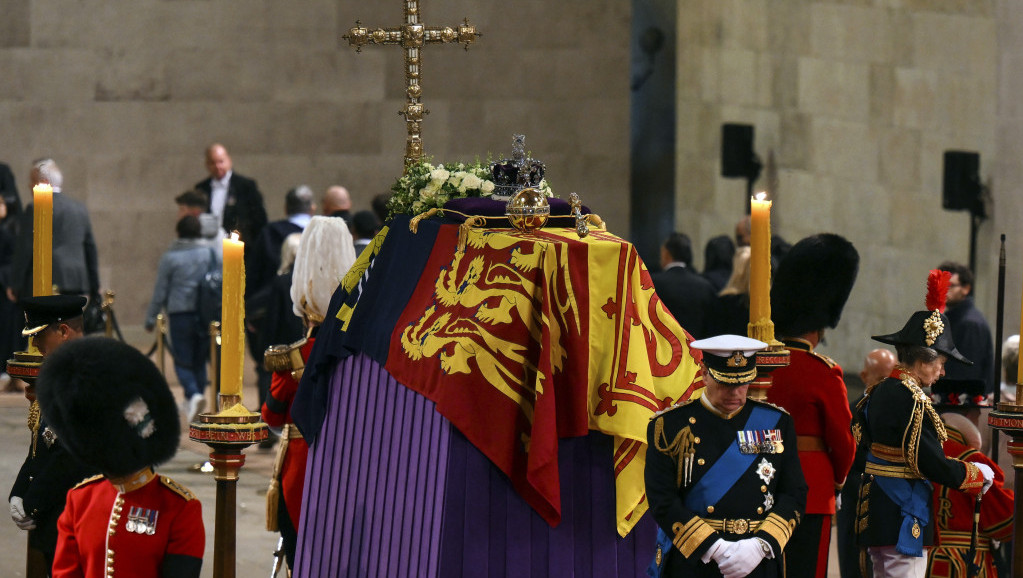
(760, 259)
(232, 317)
(42, 240)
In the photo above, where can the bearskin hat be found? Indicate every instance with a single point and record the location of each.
(812, 284)
(109, 405)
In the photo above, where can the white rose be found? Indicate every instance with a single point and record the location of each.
(418, 206)
(440, 175)
(426, 194)
(471, 181)
(487, 187)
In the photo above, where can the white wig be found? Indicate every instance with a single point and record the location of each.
(325, 253)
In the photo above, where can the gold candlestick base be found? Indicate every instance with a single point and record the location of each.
(1008, 418)
(775, 356)
(25, 364)
(227, 432)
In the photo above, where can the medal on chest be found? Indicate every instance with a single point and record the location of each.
(141, 520)
(761, 441)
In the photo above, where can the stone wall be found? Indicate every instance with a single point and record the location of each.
(856, 101)
(126, 97)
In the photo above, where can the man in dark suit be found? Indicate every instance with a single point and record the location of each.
(75, 261)
(688, 296)
(235, 200)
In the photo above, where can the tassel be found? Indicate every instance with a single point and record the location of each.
(273, 496)
(413, 224)
(937, 290)
(465, 227)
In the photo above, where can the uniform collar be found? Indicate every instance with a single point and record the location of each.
(134, 481)
(798, 343)
(710, 407)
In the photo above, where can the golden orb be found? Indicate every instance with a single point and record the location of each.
(528, 209)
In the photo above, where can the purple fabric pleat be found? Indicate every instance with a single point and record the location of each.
(392, 489)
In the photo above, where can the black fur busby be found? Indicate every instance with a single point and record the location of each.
(812, 284)
(109, 405)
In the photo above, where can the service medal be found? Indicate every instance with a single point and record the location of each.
(765, 470)
(916, 529)
(130, 526)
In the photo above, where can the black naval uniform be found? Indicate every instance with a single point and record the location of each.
(45, 477)
(902, 435)
(757, 490)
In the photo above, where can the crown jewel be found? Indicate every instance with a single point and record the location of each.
(517, 173)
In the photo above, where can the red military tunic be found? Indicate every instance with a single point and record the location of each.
(154, 530)
(276, 413)
(812, 390)
(953, 513)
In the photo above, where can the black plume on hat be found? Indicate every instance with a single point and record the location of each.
(109, 405)
(812, 284)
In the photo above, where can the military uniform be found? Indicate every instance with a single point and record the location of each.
(812, 390)
(45, 477)
(711, 476)
(152, 530)
(902, 435)
(953, 513)
(284, 498)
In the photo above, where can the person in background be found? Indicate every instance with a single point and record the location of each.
(281, 325)
(194, 203)
(337, 202)
(688, 296)
(717, 261)
(38, 495)
(10, 340)
(178, 275)
(364, 227)
(233, 199)
(324, 256)
(743, 231)
(731, 309)
(114, 409)
(380, 206)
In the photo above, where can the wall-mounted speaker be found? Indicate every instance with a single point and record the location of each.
(737, 156)
(961, 188)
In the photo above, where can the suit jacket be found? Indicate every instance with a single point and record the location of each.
(9, 190)
(243, 209)
(266, 258)
(75, 261)
(688, 296)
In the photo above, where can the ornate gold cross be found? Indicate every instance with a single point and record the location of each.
(412, 36)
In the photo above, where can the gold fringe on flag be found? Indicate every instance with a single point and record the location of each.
(273, 493)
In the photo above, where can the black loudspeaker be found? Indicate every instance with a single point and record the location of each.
(737, 156)
(961, 189)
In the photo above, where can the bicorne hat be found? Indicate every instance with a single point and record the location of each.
(929, 328)
(109, 405)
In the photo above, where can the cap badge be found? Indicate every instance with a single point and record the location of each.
(737, 359)
(933, 327)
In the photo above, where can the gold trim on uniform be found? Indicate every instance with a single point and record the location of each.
(734, 526)
(888, 453)
(177, 488)
(974, 479)
(778, 528)
(690, 535)
(903, 472)
(738, 378)
(953, 539)
(681, 449)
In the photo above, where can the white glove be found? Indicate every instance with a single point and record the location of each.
(741, 558)
(716, 551)
(989, 475)
(838, 501)
(18, 514)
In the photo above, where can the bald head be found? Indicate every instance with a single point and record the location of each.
(878, 365)
(743, 231)
(218, 162)
(966, 427)
(336, 199)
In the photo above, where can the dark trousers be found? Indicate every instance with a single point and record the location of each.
(808, 547)
(190, 345)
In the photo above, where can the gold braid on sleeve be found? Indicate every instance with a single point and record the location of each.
(911, 437)
(682, 444)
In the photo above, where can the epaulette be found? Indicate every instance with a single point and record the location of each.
(767, 403)
(831, 362)
(673, 407)
(177, 488)
(88, 481)
(284, 357)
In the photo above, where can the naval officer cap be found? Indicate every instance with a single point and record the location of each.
(730, 359)
(43, 311)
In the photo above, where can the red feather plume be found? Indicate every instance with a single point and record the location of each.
(937, 290)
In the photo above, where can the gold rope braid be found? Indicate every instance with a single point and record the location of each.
(33, 424)
(921, 405)
(682, 444)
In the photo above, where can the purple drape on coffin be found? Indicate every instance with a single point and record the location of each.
(392, 489)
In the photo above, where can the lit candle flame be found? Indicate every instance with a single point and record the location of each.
(762, 195)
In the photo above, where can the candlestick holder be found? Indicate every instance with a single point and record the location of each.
(229, 431)
(775, 356)
(1008, 418)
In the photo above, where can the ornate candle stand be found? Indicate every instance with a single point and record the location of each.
(768, 360)
(229, 431)
(1008, 418)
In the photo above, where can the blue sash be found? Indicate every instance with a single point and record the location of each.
(732, 464)
(913, 497)
(725, 472)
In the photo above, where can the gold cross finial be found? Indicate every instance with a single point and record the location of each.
(412, 36)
